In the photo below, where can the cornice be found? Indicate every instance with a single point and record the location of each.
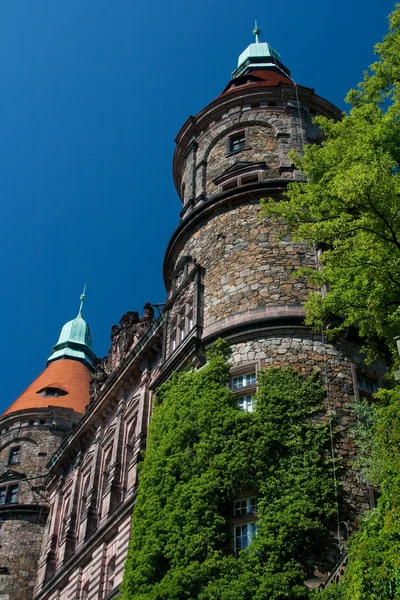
(243, 96)
(205, 208)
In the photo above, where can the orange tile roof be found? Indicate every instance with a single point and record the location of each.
(68, 375)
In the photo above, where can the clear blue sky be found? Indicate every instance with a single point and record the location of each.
(92, 94)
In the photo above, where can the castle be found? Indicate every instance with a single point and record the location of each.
(71, 442)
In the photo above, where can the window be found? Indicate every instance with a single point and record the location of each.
(249, 179)
(237, 142)
(173, 336)
(110, 576)
(181, 325)
(243, 381)
(189, 316)
(52, 392)
(246, 403)
(8, 494)
(245, 506)
(13, 458)
(243, 535)
(106, 470)
(230, 185)
(85, 591)
(84, 495)
(365, 384)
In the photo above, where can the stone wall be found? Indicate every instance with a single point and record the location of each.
(246, 266)
(271, 132)
(38, 434)
(339, 365)
(20, 541)
(261, 145)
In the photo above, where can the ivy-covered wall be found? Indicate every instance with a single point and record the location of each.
(202, 454)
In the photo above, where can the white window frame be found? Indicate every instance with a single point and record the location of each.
(246, 403)
(249, 504)
(250, 533)
(248, 379)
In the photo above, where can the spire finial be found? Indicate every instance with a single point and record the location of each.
(256, 32)
(82, 299)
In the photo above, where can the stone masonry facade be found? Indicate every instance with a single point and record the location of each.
(246, 265)
(228, 273)
(27, 443)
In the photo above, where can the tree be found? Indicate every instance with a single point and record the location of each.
(202, 453)
(350, 205)
(374, 551)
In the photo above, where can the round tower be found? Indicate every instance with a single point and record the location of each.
(31, 430)
(230, 155)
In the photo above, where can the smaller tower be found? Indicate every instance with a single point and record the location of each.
(31, 430)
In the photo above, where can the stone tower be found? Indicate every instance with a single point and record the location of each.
(31, 431)
(227, 272)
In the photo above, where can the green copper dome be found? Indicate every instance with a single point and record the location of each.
(257, 56)
(75, 341)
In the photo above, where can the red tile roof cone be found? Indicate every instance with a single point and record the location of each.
(65, 382)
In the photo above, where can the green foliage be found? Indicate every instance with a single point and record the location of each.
(202, 453)
(350, 203)
(374, 551)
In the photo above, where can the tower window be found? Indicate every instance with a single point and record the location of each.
(245, 506)
(52, 392)
(249, 179)
(8, 494)
(243, 535)
(14, 456)
(242, 381)
(237, 142)
(230, 185)
(246, 403)
(368, 385)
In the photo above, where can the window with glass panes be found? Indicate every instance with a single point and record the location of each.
(246, 403)
(8, 494)
(173, 335)
(237, 142)
(243, 535)
(14, 455)
(242, 381)
(367, 385)
(245, 506)
(181, 325)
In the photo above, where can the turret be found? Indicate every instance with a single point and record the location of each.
(31, 430)
(230, 272)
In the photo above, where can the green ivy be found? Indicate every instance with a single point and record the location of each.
(373, 571)
(202, 453)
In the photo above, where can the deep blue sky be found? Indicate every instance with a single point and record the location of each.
(92, 94)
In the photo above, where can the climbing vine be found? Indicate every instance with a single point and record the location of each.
(373, 570)
(202, 454)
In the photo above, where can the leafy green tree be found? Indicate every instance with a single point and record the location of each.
(350, 204)
(202, 453)
(374, 551)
